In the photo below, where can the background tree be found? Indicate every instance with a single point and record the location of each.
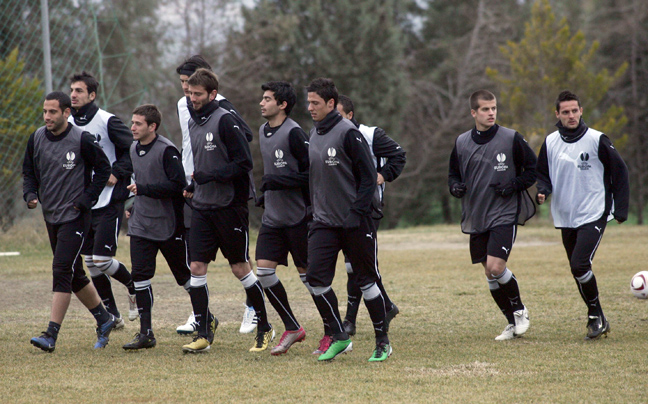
(547, 60)
(446, 64)
(622, 29)
(20, 112)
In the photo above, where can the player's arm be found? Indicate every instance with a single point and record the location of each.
(619, 181)
(122, 138)
(298, 141)
(385, 147)
(30, 178)
(364, 172)
(525, 162)
(173, 184)
(237, 150)
(542, 171)
(238, 118)
(455, 182)
(98, 165)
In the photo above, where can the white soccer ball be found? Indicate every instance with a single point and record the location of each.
(639, 285)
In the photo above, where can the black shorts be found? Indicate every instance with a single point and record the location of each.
(274, 244)
(104, 230)
(581, 244)
(359, 245)
(497, 242)
(66, 240)
(225, 229)
(144, 254)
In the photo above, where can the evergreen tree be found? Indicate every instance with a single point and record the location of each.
(547, 60)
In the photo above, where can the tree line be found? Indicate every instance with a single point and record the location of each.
(409, 66)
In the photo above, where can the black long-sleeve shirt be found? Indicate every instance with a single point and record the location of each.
(385, 147)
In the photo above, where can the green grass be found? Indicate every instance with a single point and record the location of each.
(443, 339)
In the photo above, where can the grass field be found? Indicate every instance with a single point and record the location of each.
(443, 339)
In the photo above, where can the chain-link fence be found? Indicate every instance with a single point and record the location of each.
(77, 39)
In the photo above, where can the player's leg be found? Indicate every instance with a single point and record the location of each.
(500, 244)
(354, 295)
(104, 250)
(361, 246)
(143, 257)
(176, 253)
(202, 250)
(581, 245)
(189, 327)
(324, 245)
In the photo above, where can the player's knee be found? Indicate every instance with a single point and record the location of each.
(106, 265)
(370, 291)
(79, 283)
(142, 276)
(267, 277)
(349, 268)
(320, 290)
(92, 268)
(198, 268)
(580, 272)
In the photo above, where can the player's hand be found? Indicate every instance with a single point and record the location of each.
(540, 198)
(458, 189)
(260, 202)
(112, 180)
(503, 190)
(132, 188)
(127, 213)
(81, 204)
(32, 204)
(201, 178)
(186, 194)
(352, 221)
(381, 179)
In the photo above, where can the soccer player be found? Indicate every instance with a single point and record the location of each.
(220, 190)
(490, 168)
(156, 222)
(389, 159)
(58, 171)
(284, 225)
(589, 182)
(184, 70)
(101, 240)
(342, 180)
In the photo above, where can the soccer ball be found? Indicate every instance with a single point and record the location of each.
(639, 285)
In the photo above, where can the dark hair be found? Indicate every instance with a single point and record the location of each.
(347, 104)
(151, 114)
(566, 96)
(325, 88)
(62, 98)
(190, 65)
(89, 80)
(480, 95)
(205, 78)
(283, 92)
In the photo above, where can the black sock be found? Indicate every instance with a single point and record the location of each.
(376, 308)
(279, 299)
(327, 305)
(123, 276)
(388, 303)
(104, 289)
(502, 301)
(144, 307)
(590, 295)
(200, 302)
(354, 294)
(53, 329)
(255, 295)
(511, 291)
(100, 314)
